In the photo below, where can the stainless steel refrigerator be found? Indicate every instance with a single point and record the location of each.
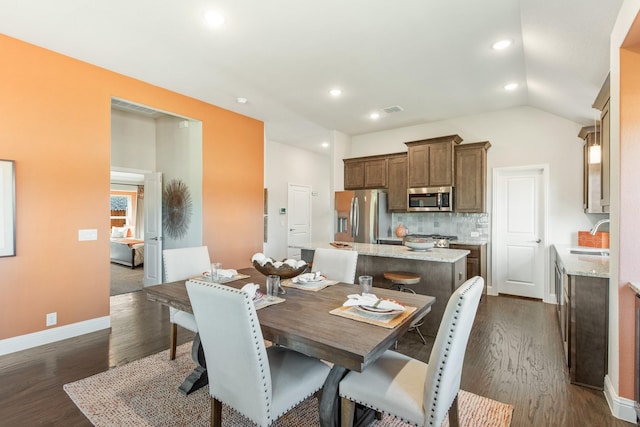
(361, 216)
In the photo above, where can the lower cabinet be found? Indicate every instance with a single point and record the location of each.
(588, 302)
(476, 260)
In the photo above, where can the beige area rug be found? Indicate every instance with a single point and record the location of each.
(145, 393)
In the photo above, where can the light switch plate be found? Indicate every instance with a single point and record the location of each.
(87, 234)
(475, 234)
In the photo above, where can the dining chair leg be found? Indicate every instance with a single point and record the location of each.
(453, 413)
(216, 413)
(347, 412)
(173, 337)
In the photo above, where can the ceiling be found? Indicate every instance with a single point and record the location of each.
(432, 58)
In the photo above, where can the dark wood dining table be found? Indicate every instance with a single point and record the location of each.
(303, 323)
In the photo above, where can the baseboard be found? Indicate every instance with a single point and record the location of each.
(620, 407)
(24, 342)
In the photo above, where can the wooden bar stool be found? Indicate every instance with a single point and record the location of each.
(400, 279)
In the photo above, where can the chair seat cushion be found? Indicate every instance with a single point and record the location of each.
(182, 318)
(294, 377)
(393, 384)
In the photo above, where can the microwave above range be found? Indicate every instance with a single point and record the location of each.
(430, 199)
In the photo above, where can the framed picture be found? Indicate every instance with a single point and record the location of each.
(7, 208)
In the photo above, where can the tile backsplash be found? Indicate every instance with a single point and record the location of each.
(449, 224)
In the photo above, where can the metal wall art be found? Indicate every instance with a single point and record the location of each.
(7, 208)
(176, 209)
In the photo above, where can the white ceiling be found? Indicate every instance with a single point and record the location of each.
(432, 58)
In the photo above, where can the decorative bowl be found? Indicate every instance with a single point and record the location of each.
(285, 271)
(418, 243)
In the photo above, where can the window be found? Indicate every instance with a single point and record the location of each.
(120, 210)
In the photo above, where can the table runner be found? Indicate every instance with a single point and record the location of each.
(373, 319)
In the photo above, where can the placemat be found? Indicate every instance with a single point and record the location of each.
(386, 321)
(267, 301)
(224, 280)
(289, 283)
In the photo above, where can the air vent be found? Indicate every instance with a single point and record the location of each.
(393, 109)
(123, 105)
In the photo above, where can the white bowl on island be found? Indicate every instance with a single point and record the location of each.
(418, 244)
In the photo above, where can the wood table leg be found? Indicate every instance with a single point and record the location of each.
(198, 378)
(330, 402)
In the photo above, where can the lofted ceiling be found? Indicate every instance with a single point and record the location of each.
(433, 59)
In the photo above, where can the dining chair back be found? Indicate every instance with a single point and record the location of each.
(412, 390)
(260, 383)
(336, 264)
(181, 264)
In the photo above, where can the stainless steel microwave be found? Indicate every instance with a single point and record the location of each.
(430, 199)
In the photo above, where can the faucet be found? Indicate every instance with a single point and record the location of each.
(598, 224)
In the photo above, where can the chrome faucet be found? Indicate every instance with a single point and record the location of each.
(598, 224)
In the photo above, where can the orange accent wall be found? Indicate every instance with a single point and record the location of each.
(629, 208)
(55, 123)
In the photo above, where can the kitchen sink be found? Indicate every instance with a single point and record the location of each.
(596, 252)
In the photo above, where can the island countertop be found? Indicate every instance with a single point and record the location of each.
(393, 251)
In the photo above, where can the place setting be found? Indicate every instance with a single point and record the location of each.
(262, 299)
(309, 281)
(368, 308)
(217, 274)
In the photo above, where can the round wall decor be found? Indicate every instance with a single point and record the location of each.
(176, 208)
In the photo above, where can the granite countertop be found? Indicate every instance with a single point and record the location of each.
(394, 251)
(583, 265)
(460, 241)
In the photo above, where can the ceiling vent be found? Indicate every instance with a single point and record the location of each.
(393, 109)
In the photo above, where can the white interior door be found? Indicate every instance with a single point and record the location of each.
(299, 201)
(152, 228)
(520, 232)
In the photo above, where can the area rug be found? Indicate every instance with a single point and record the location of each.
(145, 393)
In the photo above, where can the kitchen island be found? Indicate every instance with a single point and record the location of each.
(441, 271)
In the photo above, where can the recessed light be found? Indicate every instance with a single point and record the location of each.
(241, 100)
(214, 19)
(511, 86)
(501, 44)
(335, 92)
(374, 116)
(325, 144)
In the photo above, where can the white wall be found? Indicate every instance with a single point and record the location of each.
(518, 136)
(284, 165)
(133, 141)
(179, 156)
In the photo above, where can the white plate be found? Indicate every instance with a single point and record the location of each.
(375, 310)
(318, 280)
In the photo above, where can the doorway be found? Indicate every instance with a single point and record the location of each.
(299, 218)
(520, 200)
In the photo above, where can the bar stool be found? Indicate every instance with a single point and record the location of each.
(400, 279)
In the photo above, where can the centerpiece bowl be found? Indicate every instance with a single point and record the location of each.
(283, 269)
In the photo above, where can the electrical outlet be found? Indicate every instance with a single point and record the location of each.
(475, 234)
(52, 318)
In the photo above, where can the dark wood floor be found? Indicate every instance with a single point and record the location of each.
(514, 356)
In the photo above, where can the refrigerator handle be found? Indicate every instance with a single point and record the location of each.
(375, 218)
(352, 218)
(356, 212)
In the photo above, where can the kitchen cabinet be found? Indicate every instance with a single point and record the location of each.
(397, 182)
(365, 172)
(476, 260)
(591, 170)
(602, 103)
(471, 177)
(430, 161)
(583, 315)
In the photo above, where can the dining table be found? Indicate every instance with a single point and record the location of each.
(311, 322)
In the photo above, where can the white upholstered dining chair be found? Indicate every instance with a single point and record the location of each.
(181, 264)
(336, 264)
(412, 390)
(260, 383)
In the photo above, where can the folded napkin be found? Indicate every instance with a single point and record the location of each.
(251, 289)
(226, 274)
(308, 277)
(370, 300)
